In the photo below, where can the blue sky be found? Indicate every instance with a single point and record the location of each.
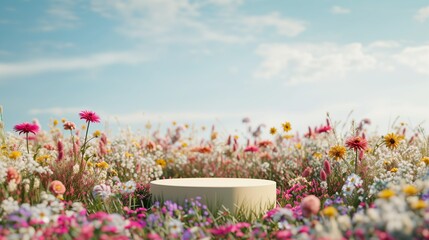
(215, 61)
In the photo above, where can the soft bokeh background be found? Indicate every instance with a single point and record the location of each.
(215, 61)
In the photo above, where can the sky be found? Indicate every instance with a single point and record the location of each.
(215, 61)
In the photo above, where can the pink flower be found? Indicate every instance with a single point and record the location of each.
(323, 175)
(89, 116)
(357, 143)
(12, 174)
(310, 205)
(26, 128)
(251, 149)
(284, 234)
(69, 126)
(57, 187)
(327, 167)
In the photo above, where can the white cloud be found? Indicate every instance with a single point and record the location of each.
(417, 58)
(299, 63)
(56, 111)
(422, 14)
(287, 27)
(340, 10)
(185, 21)
(67, 64)
(384, 44)
(59, 15)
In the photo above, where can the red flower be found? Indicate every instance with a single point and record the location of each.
(251, 149)
(26, 128)
(357, 143)
(89, 116)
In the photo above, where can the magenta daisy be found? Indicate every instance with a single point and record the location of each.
(89, 116)
(26, 128)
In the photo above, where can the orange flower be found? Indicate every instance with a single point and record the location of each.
(57, 187)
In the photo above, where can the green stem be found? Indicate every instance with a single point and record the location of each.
(73, 144)
(356, 162)
(26, 138)
(83, 147)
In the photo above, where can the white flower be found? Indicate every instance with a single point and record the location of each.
(348, 189)
(41, 213)
(344, 222)
(282, 213)
(102, 190)
(175, 226)
(128, 187)
(9, 205)
(355, 180)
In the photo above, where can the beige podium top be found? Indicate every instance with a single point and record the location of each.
(214, 182)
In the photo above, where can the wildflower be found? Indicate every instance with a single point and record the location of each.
(213, 136)
(128, 155)
(420, 204)
(69, 126)
(102, 165)
(265, 143)
(298, 146)
(355, 180)
(357, 143)
(161, 162)
(392, 140)
(12, 174)
(96, 134)
(175, 226)
(15, 155)
(323, 175)
(410, 190)
(348, 189)
(327, 167)
(394, 170)
(310, 205)
(330, 211)
(317, 155)
(89, 116)
(337, 152)
(26, 128)
(103, 191)
(57, 187)
(42, 158)
(386, 193)
(273, 130)
(41, 213)
(286, 126)
(128, 187)
(202, 149)
(55, 122)
(425, 160)
(251, 149)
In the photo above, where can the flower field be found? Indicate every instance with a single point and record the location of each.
(333, 182)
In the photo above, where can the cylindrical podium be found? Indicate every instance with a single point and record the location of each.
(251, 197)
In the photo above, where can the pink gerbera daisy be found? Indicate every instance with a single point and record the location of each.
(26, 128)
(357, 143)
(89, 116)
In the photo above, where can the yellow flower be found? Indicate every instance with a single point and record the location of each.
(286, 126)
(213, 136)
(273, 130)
(103, 165)
(174, 123)
(410, 190)
(288, 136)
(385, 162)
(89, 164)
(337, 152)
(330, 211)
(83, 127)
(236, 137)
(15, 155)
(386, 193)
(420, 204)
(425, 160)
(113, 172)
(63, 120)
(184, 144)
(42, 158)
(186, 125)
(317, 155)
(128, 155)
(55, 122)
(392, 140)
(394, 169)
(96, 134)
(298, 146)
(161, 162)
